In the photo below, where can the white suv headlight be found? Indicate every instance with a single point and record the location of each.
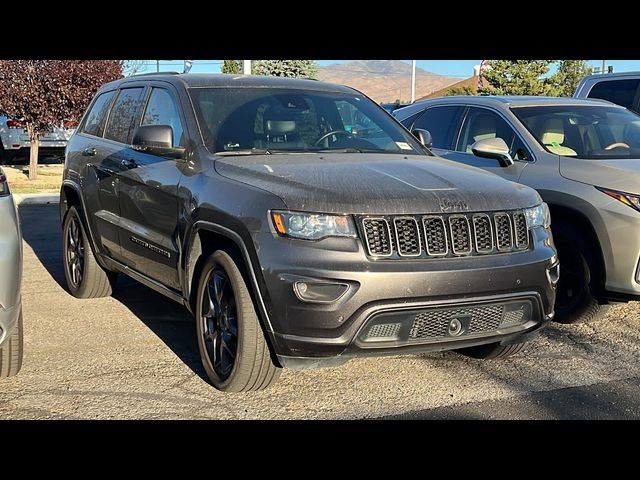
(538, 216)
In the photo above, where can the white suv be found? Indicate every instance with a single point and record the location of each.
(14, 140)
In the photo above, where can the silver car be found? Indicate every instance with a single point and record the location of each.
(14, 140)
(11, 346)
(583, 157)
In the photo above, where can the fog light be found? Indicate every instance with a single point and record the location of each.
(319, 292)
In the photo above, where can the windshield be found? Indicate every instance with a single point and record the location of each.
(267, 120)
(590, 132)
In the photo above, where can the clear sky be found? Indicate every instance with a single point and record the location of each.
(451, 68)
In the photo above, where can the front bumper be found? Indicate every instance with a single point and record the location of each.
(8, 319)
(332, 331)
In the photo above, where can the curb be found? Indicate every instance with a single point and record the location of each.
(35, 199)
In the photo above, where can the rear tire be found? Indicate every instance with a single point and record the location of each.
(232, 345)
(575, 300)
(85, 277)
(12, 351)
(492, 350)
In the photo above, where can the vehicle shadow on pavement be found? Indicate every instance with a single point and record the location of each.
(169, 321)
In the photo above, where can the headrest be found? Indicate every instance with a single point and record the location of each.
(553, 132)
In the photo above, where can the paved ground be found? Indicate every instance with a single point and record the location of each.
(134, 356)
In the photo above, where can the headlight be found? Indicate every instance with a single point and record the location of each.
(627, 198)
(313, 226)
(538, 216)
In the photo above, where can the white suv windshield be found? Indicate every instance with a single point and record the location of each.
(289, 120)
(589, 132)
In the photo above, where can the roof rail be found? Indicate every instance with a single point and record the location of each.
(153, 73)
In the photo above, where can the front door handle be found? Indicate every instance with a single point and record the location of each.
(128, 163)
(89, 152)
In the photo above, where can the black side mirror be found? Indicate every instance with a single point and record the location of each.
(493, 148)
(156, 140)
(423, 136)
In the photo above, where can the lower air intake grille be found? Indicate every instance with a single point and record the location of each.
(433, 324)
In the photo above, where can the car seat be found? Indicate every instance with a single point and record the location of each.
(553, 137)
(281, 131)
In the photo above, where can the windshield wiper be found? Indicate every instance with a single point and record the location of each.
(246, 151)
(352, 150)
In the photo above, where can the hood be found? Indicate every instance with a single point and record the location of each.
(376, 183)
(618, 174)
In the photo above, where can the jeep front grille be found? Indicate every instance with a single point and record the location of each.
(452, 235)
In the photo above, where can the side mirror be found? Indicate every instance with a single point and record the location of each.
(493, 148)
(423, 136)
(156, 140)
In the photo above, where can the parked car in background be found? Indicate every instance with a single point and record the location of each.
(583, 157)
(295, 242)
(11, 346)
(14, 140)
(621, 88)
(390, 107)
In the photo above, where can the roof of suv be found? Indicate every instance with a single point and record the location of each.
(504, 101)
(225, 80)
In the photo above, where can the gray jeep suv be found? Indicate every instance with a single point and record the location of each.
(583, 157)
(294, 241)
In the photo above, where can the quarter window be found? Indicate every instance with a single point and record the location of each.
(123, 115)
(162, 110)
(97, 117)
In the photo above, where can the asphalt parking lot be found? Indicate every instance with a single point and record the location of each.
(134, 356)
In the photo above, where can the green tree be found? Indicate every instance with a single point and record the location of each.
(564, 82)
(231, 66)
(466, 90)
(286, 68)
(517, 77)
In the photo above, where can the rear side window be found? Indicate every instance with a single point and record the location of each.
(442, 123)
(123, 115)
(622, 92)
(94, 125)
(162, 110)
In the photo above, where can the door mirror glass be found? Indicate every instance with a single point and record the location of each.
(493, 148)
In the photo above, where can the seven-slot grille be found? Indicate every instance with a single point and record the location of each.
(447, 235)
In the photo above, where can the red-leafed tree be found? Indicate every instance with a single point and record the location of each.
(44, 93)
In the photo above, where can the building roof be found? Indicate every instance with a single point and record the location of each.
(467, 82)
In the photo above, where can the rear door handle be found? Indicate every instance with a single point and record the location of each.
(89, 152)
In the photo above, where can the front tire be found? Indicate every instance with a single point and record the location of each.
(232, 346)
(12, 351)
(575, 301)
(85, 277)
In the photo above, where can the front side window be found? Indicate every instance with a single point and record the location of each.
(162, 110)
(291, 120)
(123, 115)
(442, 123)
(97, 116)
(622, 92)
(483, 124)
(589, 132)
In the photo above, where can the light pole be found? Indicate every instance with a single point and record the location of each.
(604, 63)
(157, 65)
(413, 81)
(246, 67)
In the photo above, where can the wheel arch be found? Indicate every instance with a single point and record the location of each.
(204, 239)
(563, 215)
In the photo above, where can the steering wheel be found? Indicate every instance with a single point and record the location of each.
(617, 144)
(328, 134)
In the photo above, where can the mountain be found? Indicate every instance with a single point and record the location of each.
(384, 80)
